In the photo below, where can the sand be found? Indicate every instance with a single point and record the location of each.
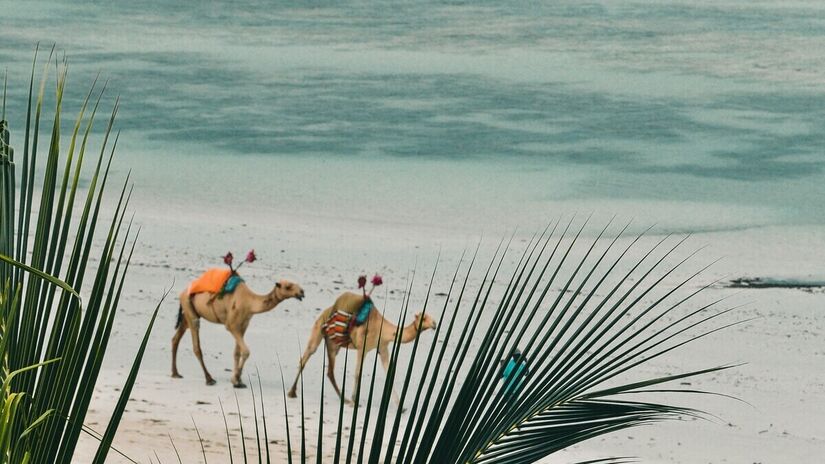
(778, 420)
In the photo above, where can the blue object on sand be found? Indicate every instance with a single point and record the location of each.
(514, 372)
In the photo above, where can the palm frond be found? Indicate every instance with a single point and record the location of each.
(47, 240)
(585, 314)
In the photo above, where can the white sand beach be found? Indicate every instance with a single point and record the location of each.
(778, 419)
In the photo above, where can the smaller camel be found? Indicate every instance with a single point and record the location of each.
(377, 331)
(233, 310)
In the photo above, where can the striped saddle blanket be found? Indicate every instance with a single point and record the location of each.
(339, 324)
(337, 328)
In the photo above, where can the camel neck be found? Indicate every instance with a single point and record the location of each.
(409, 332)
(264, 303)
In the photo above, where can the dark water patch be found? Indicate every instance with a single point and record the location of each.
(756, 171)
(745, 18)
(186, 97)
(769, 162)
(465, 115)
(810, 105)
(768, 282)
(603, 157)
(783, 137)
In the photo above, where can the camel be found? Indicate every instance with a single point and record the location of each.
(378, 332)
(233, 310)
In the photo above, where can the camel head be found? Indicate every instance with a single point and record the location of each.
(426, 324)
(285, 290)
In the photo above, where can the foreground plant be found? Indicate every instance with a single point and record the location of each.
(10, 401)
(608, 316)
(46, 324)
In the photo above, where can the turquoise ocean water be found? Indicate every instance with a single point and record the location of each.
(695, 115)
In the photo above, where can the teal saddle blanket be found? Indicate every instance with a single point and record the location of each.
(363, 312)
(231, 284)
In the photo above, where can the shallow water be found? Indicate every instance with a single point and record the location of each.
(693, 115)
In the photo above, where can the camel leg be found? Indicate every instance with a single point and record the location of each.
(332, 352)
(196, 347)
(385, 361)
(241, 355)
(314, 341)
(236, 360)
(181, 330)
(357, 383)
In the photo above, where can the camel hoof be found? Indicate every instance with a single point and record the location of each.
(239, 385)
(292, 394)
(177, 376)
(210, 381)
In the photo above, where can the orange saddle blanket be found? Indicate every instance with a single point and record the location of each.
(211, 281)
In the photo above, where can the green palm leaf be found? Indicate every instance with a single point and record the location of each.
(585, 314)
(46, 247)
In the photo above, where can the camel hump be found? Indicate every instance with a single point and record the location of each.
(349, 302)
(211, 281)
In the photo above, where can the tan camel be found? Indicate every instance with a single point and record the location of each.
(378, 332)
(233, 310)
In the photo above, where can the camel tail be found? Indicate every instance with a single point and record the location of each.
(180, 316)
